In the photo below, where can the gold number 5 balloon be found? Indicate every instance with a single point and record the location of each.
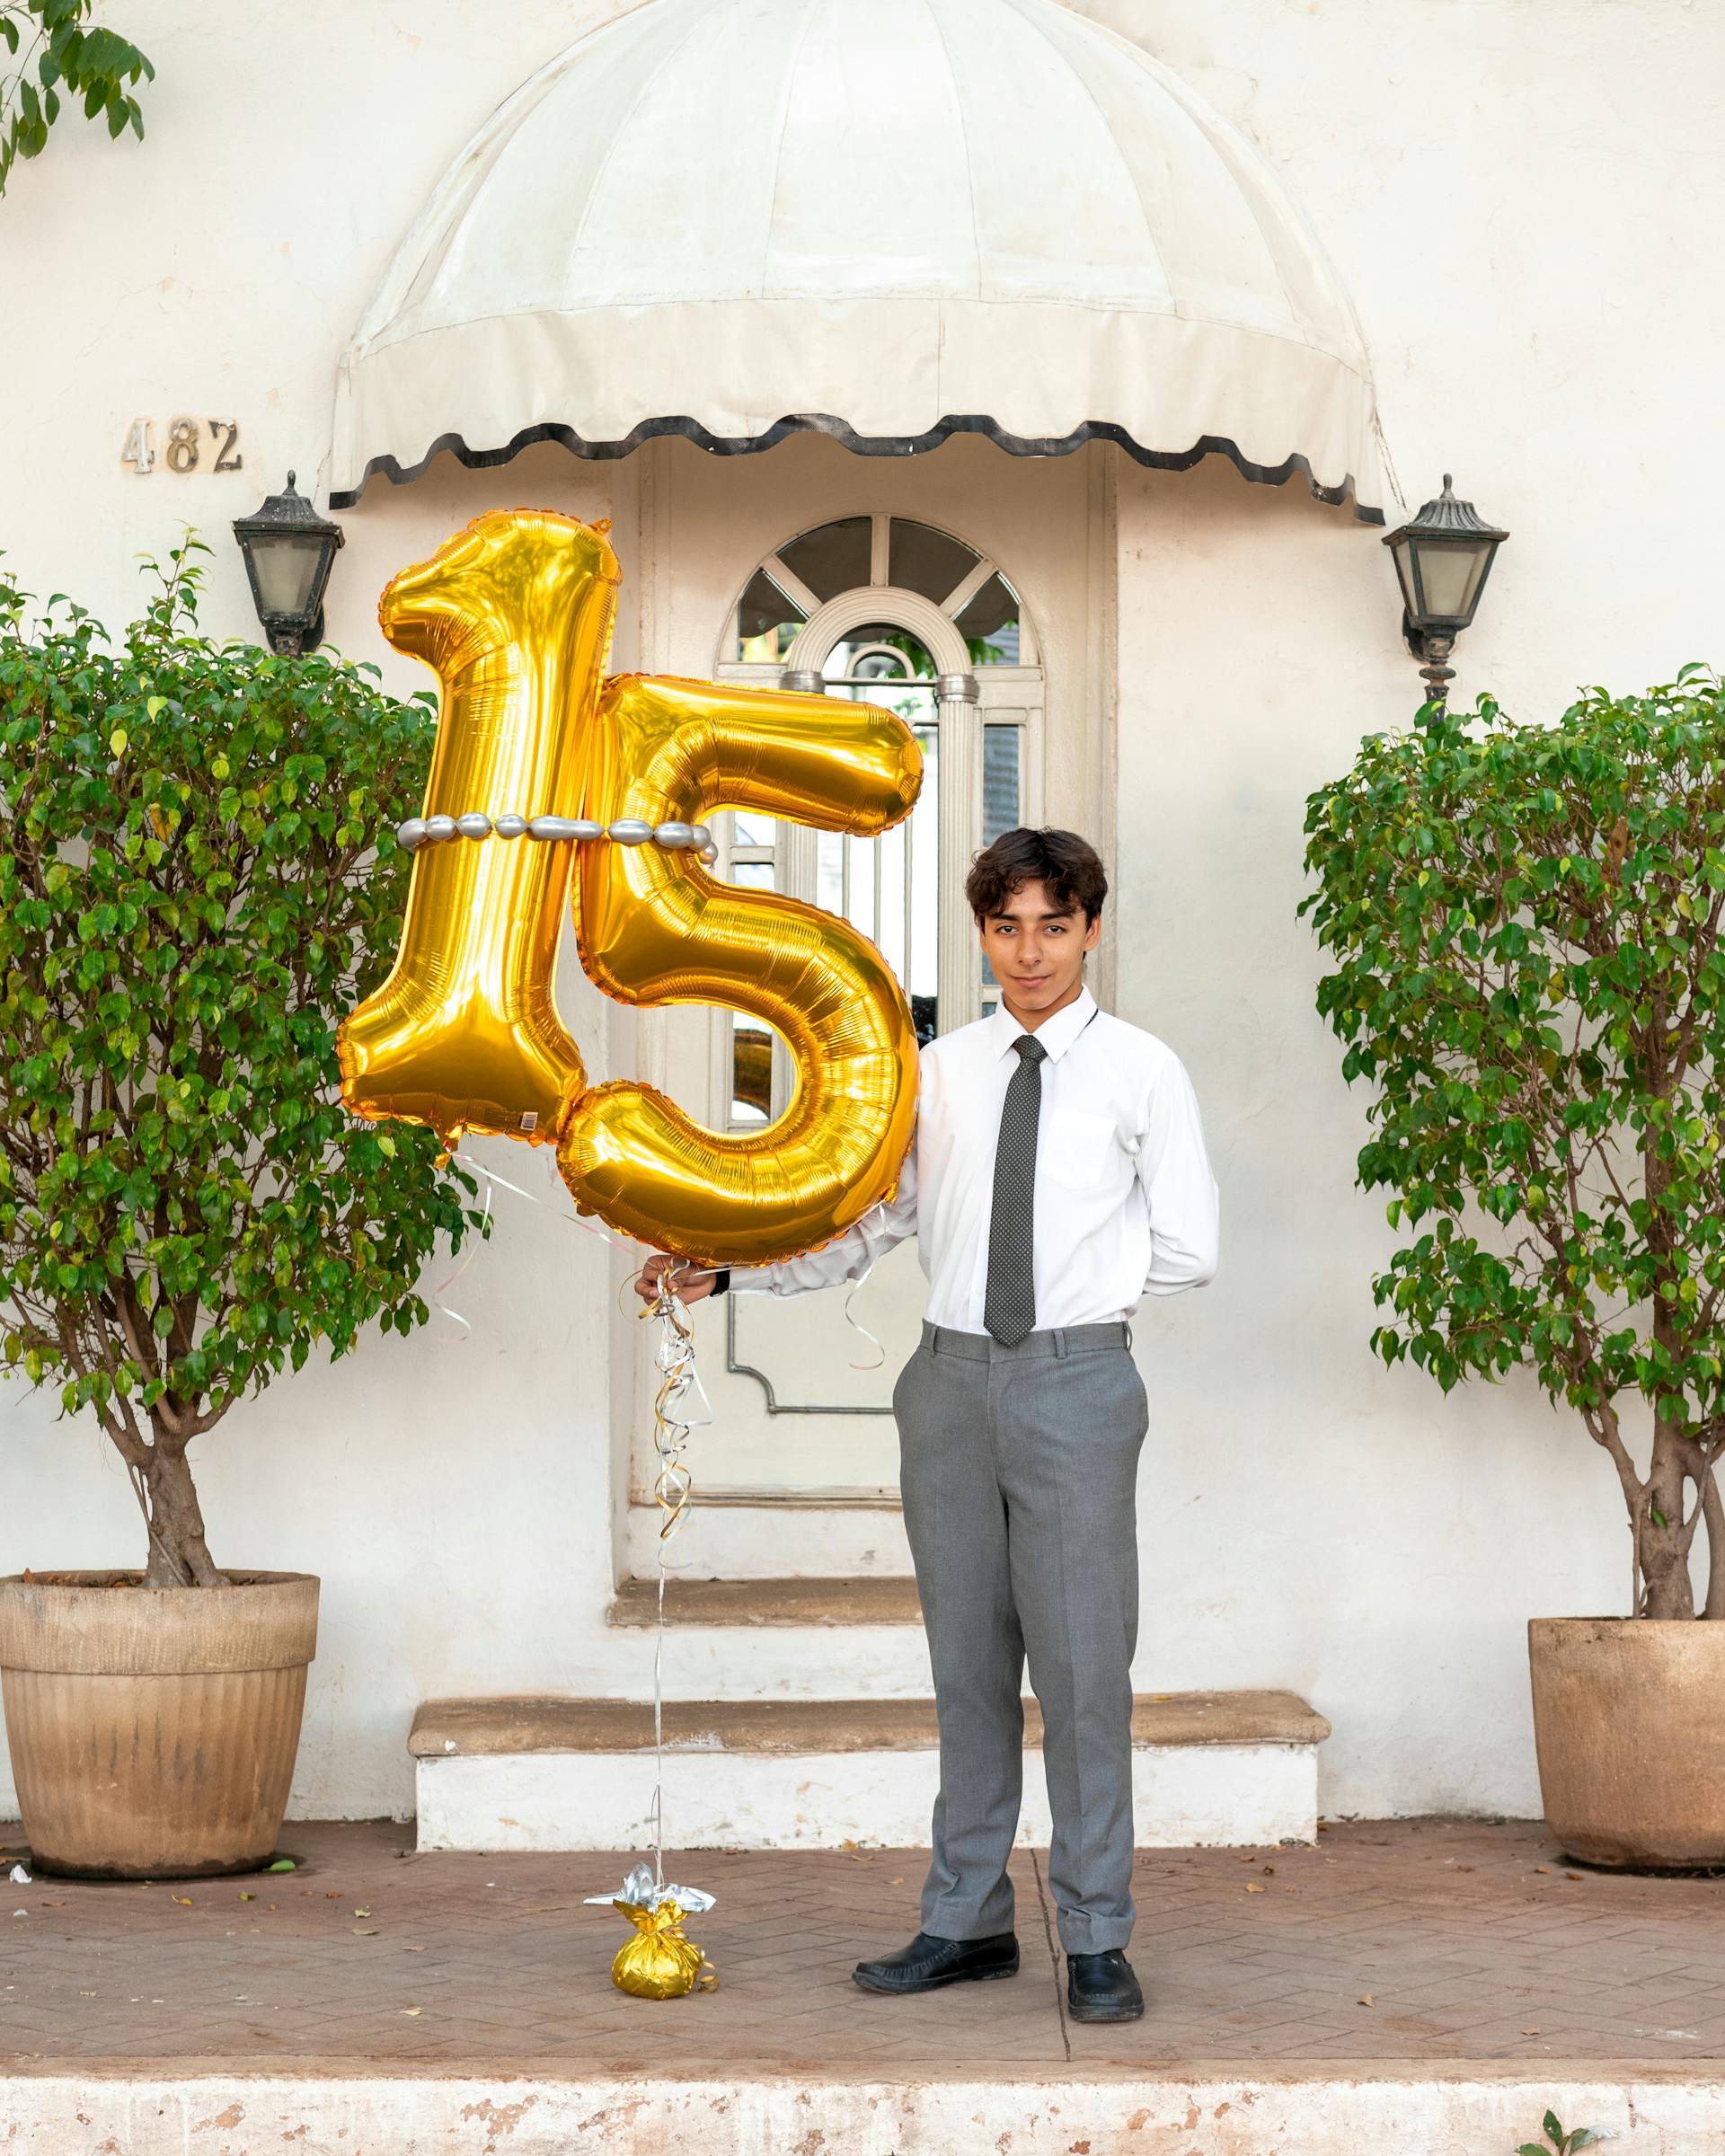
(514, 615)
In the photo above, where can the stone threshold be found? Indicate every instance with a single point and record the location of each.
(877, 1599)
(513, 1727)
(331, 2108)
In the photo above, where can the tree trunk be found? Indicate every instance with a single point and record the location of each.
(1713, 1507)
(1664, 1560)
(178, 1555)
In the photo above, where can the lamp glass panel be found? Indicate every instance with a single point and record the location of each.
(1451, 572)
(1403, 551)
(287, 567)
(1481, 562)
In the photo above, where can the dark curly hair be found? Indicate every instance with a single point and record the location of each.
(1068, 866)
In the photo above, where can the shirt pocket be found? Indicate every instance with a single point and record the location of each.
(1082, 1150)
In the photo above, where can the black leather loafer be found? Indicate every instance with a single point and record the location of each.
(1102, 1988)
(927, 1963)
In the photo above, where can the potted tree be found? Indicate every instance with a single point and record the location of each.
(1525, 924)
(188, 901)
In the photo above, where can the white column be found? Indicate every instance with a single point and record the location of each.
(960, 828)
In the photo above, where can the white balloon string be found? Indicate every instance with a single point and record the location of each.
(673, 1358)
(451, 1339)
(494, 1183)
(857, 1324)
(681, 1403)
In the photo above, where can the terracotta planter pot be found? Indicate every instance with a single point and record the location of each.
(152, 1731)
(1629, 1716)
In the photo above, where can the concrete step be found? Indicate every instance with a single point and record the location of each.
(736, 1539)
(547, 1774)
(328, 2106)
(881, 1600)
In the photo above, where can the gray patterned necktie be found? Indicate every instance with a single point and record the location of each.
(1009, 1298)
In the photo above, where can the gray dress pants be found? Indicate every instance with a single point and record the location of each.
(1019, 1473)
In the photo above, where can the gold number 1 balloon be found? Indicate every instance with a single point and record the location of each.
(514, 615)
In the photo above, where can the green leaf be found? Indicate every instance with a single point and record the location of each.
(92, 64)
(282, 1864)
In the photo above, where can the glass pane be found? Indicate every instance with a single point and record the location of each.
(922, 560)
(891, 853)
(922, 975)
(989, 625)
(874, 664)
(868, 654)
(1000, 763)
(756, 874)
(863, 908)
(751, 1065)
(836, 557)
(748, 829)
(829, 871)
(766, 622)
(890, 887)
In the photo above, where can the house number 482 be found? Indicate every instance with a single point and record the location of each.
(186, 448)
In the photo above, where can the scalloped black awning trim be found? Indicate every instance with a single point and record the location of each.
(862, 445)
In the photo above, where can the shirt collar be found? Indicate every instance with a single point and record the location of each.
(1056, 1033)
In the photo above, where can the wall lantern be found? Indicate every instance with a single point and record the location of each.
(1442, 559)
(290, 549)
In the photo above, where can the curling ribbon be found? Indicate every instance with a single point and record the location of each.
(673, 1358)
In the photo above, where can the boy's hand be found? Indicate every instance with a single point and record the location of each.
(692, 1282)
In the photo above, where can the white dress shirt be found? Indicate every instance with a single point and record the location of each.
(1125, 1204)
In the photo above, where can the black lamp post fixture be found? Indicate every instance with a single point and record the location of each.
(1442, 559)
(290, 549)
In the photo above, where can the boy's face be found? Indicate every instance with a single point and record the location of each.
(1036, 951)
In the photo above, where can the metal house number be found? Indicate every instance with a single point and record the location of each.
(184, 446)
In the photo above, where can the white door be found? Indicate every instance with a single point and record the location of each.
(892, 611)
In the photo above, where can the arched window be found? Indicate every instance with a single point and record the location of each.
(894, 611)
(794, 584)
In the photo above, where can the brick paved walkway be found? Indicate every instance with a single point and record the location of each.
(1389, 1944)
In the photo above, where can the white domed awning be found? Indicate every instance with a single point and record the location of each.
(890, 220)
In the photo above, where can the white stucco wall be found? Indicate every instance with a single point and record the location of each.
(1523, 196)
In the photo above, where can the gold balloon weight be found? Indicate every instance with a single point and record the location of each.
(659, 1962)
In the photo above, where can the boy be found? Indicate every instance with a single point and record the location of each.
(1057, 1174)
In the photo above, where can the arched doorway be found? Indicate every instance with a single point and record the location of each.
(893, 611)
(890, 609)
